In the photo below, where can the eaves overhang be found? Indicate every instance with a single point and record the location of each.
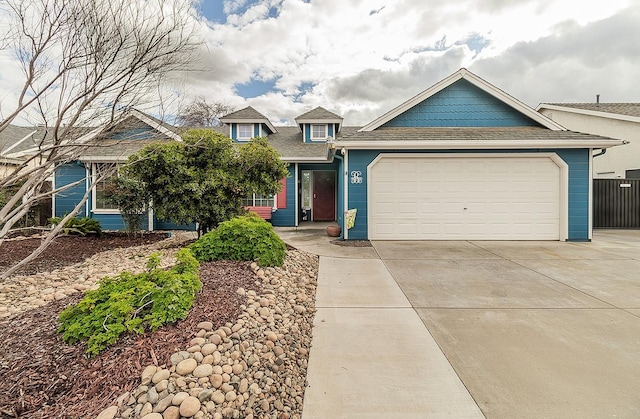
(477, 144)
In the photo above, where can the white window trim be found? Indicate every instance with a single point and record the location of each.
(326, 132)
(274, 207)
(95, 210)
(238, 137)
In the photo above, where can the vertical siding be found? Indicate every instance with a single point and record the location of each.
(461, 105)
(577, 160)
(286, 217)
(69, 198)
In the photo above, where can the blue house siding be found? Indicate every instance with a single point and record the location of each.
(167, 225)
(576, 159)
(579, 179)
(286, 217)
(69, 198)
(461, 105)
(111, 221)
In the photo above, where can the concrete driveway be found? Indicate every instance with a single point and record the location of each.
(533, 329)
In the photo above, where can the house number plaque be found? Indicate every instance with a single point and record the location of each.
(356, 176)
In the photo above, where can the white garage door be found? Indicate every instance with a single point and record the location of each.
(475, 197)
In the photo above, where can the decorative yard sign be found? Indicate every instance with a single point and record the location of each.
(356, 176)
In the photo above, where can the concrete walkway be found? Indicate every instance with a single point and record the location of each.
(528, 329)
(372, 356)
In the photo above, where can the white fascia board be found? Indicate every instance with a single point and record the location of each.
(305, 159)
(10, 160)
(320, 121)
(254, 121)
(607, 115)
(155, 125)
(17, 143)
(463, 73)
(475, 144)
(103, 159)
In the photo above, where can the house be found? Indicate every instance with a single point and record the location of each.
(14, 140)
(615, 120)
(616, 172)
(462, 160)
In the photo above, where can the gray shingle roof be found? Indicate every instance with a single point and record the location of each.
(629, 109)
(318, 113)
(11, 135)
(288, 143)
(247, 113)
(461, 134)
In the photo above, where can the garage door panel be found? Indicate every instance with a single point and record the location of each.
(492, 198)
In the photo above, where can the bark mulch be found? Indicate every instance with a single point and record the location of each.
(67, 250)
(42, 377)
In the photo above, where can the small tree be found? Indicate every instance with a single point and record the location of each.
(204, 178)
(131, 198)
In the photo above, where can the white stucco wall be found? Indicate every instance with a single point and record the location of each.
(616, 160)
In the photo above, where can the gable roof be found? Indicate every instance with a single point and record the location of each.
(125, 136)
(247, 115)
(318, 114)
(621, 111)
(14, 138)
(464, 74)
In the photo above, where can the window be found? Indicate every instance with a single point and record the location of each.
(318, 132)
(245, 131)
(259, 200)
(102, 175)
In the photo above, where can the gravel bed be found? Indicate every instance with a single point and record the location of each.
(248, 334)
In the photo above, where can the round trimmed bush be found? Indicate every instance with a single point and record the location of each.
(247, 237)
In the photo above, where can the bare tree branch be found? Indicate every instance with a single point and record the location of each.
(83, 63)
(201, 113)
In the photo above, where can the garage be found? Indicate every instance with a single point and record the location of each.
(483, 196)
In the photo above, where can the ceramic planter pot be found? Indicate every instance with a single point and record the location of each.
(333, 231)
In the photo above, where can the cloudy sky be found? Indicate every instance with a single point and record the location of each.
(361, 58)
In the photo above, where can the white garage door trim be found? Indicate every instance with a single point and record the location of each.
(563, 180)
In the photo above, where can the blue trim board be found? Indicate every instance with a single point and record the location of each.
(576, 159)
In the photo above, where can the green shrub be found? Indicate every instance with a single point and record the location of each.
(132, 303)
(247, 237)
(79, 226)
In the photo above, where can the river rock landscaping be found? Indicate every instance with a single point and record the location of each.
(241, 352)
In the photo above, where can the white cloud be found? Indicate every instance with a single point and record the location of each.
(361, 58)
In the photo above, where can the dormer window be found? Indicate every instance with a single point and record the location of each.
(318, 132)
(245, 131)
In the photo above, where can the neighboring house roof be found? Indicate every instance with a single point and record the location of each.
(472, 138)
(246, 115)
(621, 111)
(464, 74)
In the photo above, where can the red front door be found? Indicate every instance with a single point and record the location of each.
(324, 195)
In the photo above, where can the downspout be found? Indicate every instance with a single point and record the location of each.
(603, 151)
